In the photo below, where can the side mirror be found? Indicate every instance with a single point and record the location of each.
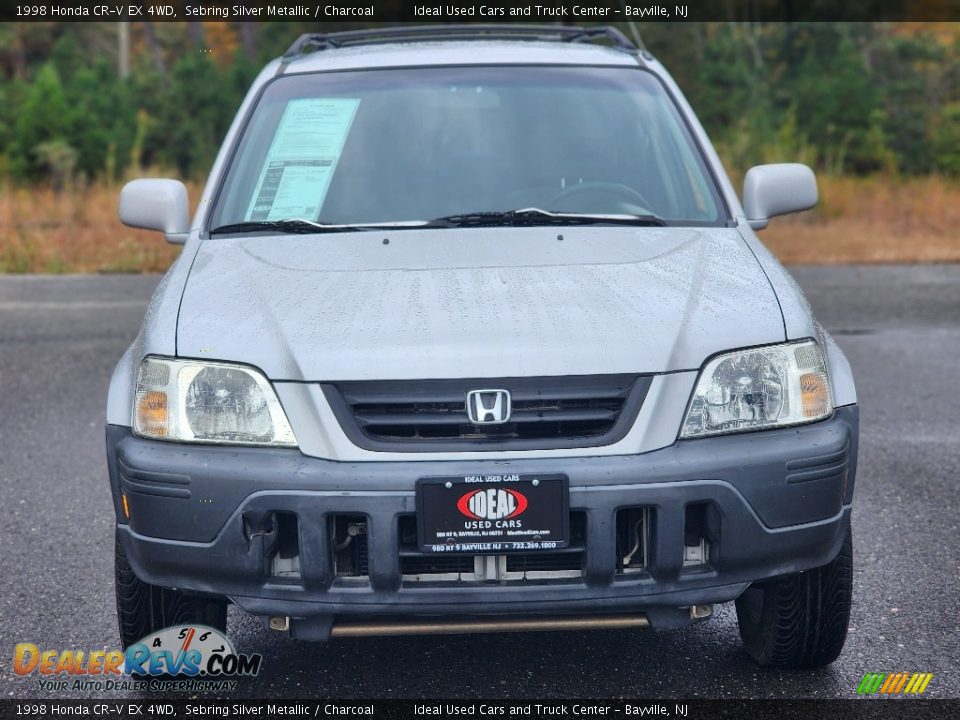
(778, 189)
(154, 204)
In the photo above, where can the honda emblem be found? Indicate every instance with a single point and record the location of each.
(488, 407)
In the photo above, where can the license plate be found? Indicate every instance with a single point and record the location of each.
(479, 514)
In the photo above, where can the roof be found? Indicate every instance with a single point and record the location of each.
(462, 44)
(459, 52)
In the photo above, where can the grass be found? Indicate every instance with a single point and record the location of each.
(858, 220)
(74, 231)
(872, 220)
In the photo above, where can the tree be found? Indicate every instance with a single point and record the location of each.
(101, 121)
(42, 118)
(946, 140)
(839, 104)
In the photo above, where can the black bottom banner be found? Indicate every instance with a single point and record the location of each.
(409, 709)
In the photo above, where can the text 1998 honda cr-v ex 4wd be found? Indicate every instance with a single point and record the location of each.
(471, 333)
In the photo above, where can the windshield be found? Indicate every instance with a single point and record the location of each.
(415, 145)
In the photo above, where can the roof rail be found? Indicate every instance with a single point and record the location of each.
(312, 42)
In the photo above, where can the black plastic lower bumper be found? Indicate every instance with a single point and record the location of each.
(781, 501)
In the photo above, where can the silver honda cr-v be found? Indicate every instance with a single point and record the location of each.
(472, 333)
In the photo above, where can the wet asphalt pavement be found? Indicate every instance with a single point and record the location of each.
(900, 327)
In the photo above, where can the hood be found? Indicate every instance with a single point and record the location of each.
(479, 302)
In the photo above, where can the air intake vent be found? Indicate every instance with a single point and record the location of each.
(432, 415)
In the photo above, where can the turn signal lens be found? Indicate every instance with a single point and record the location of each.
(152, 416)
(815, 393)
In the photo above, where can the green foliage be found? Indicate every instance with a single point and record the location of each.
(946, 141)
(100, 118)
(855, 98)
(41, 119)
(837, 104)
(188, 115)
(57, 159)
(914, 72)
(4, 119)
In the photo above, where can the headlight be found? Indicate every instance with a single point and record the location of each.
(192, 401)
(763, 387)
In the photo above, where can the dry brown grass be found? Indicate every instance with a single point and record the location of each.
(873, 220)
(75, 231)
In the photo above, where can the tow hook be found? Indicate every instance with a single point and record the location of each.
(699, 612)
(281, 623)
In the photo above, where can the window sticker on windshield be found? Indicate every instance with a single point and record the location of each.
(302, 158)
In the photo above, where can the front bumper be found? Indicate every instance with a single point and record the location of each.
(782, 501)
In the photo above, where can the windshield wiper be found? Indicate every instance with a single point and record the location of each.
(284, 226)
(537, 216)
(307, 227)
(515, 218)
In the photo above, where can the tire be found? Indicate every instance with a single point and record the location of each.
(143, 608)
(799, 621)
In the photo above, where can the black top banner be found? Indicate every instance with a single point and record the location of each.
(541, 11)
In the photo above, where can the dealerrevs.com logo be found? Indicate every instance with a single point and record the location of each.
(182, 657)
(492, 504)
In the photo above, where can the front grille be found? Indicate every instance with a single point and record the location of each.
(557, 561)
(432, 565)
(545, 565)
(550, 412)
